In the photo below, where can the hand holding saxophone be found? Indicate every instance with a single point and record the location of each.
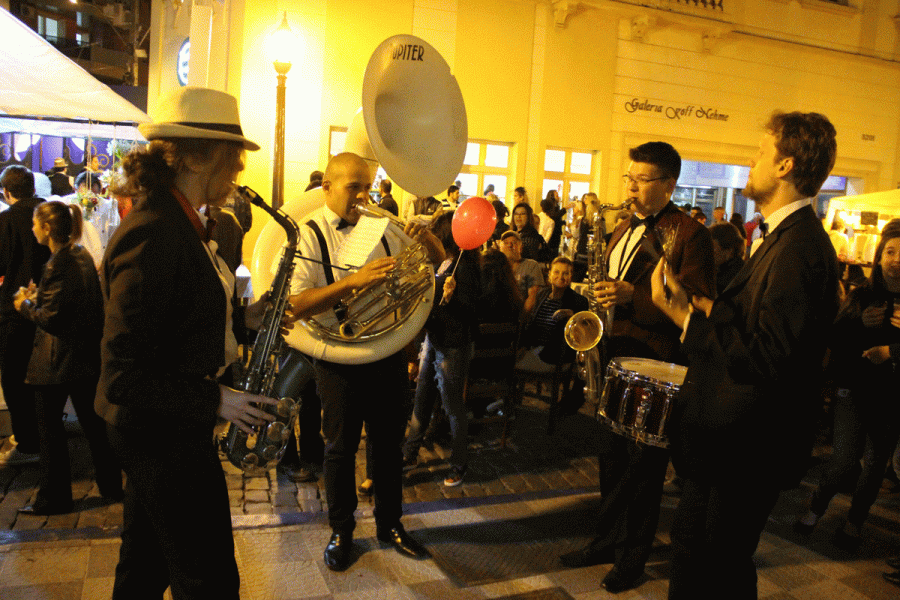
(253, 316)
(610, 293)
(238, 408)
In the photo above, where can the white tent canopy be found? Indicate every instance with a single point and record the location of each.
(886, 204)
(53, 95)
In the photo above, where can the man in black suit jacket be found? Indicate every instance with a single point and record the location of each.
(741, 430)
(21, 262)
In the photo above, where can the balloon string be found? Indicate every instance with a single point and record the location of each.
(458, 258)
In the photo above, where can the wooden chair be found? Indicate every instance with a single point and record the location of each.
(558, 379)
(492, 372)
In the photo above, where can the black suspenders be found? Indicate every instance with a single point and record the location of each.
(340, 309)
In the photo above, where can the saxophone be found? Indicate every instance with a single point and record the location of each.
(584, 330)
(265, 374)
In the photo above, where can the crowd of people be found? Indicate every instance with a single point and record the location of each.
(145, 341)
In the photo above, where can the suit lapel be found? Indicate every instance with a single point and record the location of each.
(768, 243)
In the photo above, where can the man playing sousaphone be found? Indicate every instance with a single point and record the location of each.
(631, 475)
(347, 390)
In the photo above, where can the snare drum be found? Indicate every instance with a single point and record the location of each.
(637, 398)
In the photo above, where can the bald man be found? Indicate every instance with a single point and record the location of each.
(347, 390)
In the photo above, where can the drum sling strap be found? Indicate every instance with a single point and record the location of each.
(340, 309)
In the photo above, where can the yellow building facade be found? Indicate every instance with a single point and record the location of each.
(584, 78)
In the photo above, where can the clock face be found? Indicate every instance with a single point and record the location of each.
(184, 59)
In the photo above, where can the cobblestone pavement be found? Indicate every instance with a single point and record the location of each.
(498, 535)
(531, 462)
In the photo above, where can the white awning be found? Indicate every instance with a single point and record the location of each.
(53, 93)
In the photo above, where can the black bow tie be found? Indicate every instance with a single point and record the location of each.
(764, 228)
(343, 223)
(636, 221)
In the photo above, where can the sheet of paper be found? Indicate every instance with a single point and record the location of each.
(357, 248)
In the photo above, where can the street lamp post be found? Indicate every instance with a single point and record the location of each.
(281, 49)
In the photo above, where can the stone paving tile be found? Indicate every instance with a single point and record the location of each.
(256, 495)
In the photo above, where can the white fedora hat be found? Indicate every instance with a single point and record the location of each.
(196, 112)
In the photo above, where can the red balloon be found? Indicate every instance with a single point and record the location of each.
(473, 223)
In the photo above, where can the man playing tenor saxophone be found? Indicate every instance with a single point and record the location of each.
(346, 390)
(631, 475)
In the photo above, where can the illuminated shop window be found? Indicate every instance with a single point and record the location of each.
(567, 171)
(486, 163)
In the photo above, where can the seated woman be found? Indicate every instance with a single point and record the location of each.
(67, 308)
(543, 332)
(864, 358)
(447, 351)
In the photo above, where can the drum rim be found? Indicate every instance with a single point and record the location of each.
(622, 368)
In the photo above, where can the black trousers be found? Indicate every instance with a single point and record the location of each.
(631, 482)
(56, 472)
(16, 343)
(352, 395)
(714, 535)
(177, 521)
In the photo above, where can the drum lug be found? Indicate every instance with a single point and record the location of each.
(643, 408)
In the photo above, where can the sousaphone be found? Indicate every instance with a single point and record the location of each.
(413, 122)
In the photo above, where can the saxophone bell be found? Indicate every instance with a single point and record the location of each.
(583, 330)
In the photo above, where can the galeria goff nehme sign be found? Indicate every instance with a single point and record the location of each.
(675, 113)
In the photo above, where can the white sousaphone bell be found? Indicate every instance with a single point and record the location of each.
(413, 122)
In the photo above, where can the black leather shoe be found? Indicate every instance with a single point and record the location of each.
(892, 577)
(45, 509)
(338, 551)
(893, 562)
(588, 557)
(614, 582)
(402, 542)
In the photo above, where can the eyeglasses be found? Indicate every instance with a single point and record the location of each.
(628, 179)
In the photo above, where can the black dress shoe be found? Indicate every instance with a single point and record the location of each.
(892, 577)
(47, 508)
(614, 582)
(338, 551)
(402, 542)
(588, 557)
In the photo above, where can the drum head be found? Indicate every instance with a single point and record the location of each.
(654, 369)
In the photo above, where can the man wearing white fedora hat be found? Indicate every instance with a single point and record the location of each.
(167, 336)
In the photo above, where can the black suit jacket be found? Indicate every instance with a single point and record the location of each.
(164, 331)
(21, 257)
(69, 314)
(747, 406)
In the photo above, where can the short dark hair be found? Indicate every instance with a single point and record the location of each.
(521, 191)
(659, 154)
(316, 176)
(452, 189)
(489, 189)
(728, 236)
(19, 181)
(386, 185)
(82, 178)
(809, 139)
(563, 260)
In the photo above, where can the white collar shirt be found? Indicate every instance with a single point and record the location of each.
(776, 218)
(308, 274)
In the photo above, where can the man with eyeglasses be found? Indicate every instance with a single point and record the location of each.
(631, 474)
